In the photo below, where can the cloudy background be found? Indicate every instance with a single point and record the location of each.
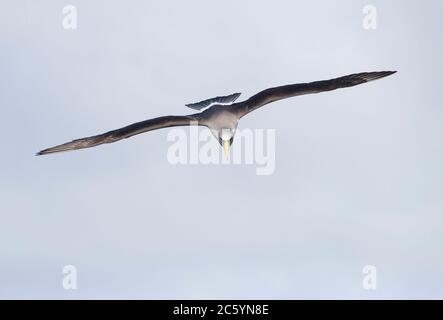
(358, 177)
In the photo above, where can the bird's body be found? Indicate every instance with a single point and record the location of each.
(221, 115)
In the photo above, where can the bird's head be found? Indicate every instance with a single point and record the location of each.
(226, 138)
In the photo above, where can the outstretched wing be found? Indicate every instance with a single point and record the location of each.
(217, 100)
(283, 92)
(123, 133)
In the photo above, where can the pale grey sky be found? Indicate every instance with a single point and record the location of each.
(358, 175)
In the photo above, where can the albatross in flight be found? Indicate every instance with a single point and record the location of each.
(220, 114)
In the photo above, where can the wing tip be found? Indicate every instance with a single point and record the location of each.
(388, 73)
(43, 152)
(371, 76)
(69, 146)
(47, 151)
(382, 74)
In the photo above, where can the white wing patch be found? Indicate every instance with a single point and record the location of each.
(206, 104)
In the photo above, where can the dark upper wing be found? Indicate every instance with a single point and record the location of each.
(123, 133)
(278, 93)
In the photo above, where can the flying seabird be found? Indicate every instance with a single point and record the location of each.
(220, 114)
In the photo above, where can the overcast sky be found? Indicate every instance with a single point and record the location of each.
(358, 174)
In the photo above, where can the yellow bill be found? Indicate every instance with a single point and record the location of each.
(226, 146)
